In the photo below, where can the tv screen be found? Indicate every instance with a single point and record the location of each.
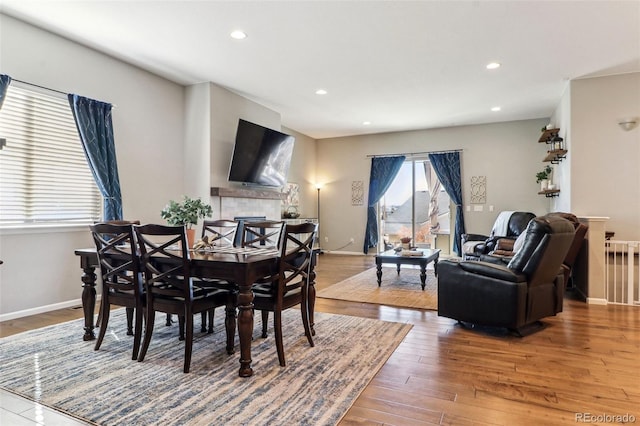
(261, 156)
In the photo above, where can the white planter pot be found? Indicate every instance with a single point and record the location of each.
(543, 185)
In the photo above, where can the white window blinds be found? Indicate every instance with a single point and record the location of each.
(44, 176)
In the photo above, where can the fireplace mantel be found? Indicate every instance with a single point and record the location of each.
(264, 194)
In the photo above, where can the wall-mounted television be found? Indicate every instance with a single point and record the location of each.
(261, 156)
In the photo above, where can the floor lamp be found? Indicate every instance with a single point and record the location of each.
(318, 186)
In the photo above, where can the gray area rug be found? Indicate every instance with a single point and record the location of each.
(55, 367)
(401, 290)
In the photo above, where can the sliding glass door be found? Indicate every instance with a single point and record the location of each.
(415, 206)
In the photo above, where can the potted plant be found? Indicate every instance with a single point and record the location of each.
(186, 213)
(543, 177)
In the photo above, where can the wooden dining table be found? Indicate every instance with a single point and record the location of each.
(243, 268)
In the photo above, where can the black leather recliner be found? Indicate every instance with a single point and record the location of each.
(515, 296)
(475, 245)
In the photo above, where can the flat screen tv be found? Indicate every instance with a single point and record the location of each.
(261, 156)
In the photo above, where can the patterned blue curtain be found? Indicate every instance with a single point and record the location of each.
(383, 171)
(447, 168)
(5, 80)
(93, 120)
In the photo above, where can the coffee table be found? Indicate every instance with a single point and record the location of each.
(391, 256)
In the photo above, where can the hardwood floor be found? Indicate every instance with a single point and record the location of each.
(584, 364)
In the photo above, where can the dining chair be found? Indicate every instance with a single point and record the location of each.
(219, 233)
(290, 286)
(129, 310)
(264, 234)
(121, 279)
(169, 286)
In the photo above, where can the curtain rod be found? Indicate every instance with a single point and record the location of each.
(412, 154)
(48, 89)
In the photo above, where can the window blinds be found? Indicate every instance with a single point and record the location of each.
(44, 176)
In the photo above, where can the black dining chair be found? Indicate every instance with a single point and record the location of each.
(121, 279)
(290, 286)
(129, 310)
(264, 234)
(169, 286)
(219, 233)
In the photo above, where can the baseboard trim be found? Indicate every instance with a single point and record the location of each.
(349, 253)
(596, 301)
(42, 309)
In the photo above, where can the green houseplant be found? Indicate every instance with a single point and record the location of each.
(187, 212)
(544, 177)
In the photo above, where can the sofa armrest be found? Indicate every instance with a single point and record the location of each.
(491, 270)
(473, 237)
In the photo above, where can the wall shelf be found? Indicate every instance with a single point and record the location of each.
(555, 156)
(548, 135)
(550, 193)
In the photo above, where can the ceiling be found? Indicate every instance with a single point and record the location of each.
(400, 65)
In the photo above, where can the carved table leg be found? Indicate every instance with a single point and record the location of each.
(88, 301)
(423, 274)
(245, 329)
(379, 271)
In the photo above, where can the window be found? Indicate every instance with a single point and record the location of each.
(44, 175)
(407, 207)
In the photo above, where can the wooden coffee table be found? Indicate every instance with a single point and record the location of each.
(391, 256)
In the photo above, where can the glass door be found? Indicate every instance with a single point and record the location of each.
(415, 206)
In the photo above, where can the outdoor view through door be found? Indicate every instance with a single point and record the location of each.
(415, 206)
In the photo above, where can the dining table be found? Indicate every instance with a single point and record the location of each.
(241, 266)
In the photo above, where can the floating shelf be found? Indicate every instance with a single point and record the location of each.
(555, 156)
(550, 193)
(547, 135)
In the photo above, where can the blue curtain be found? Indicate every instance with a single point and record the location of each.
(93, 120)
(447, 168)
(383, 171)
(5, 80)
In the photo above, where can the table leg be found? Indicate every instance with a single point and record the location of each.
(435, 266)
(423, 274)
(245, 329)
(88, 301)
(379, 272)
(398, 267)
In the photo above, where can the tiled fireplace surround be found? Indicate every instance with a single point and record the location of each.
(229, 203)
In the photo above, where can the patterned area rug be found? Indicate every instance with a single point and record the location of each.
(401, 290)
(55, 367)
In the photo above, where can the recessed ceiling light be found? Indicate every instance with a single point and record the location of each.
(366, 123)
(321, 92)
(493, 65)
(238, 35)
(496, 109)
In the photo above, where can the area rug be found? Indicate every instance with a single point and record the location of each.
(402, 290)
(54, 367)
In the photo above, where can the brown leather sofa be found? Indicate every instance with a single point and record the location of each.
(517, 295)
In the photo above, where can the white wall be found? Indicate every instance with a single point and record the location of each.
(562, 172)
(39, 266)
(605, 177)
(303, 172)
(508, 154)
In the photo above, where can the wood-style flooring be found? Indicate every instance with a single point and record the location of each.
(584, 367)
